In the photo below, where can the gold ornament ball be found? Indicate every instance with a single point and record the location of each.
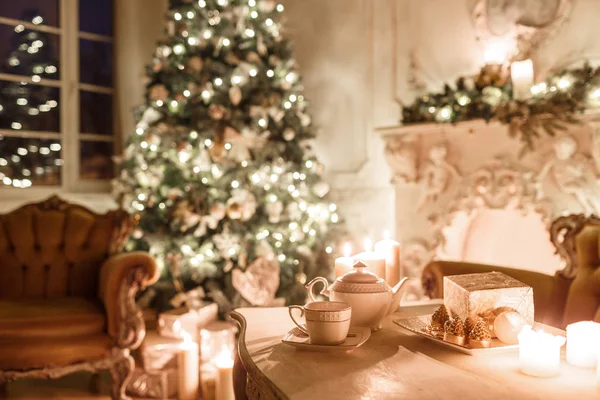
(508, 325)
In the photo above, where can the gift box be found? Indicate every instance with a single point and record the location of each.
(177, 322)
(480, 294)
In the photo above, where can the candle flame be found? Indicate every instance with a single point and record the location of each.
(187, 338)
(368, 245)
(347, 249)
(224, 359)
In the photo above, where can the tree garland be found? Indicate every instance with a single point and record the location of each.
(553, 103)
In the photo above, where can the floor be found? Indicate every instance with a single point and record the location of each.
(75, 386)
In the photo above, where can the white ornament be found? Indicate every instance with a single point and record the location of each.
(266, 6)
(304, 119)
(321, 189)
(274, 210)
(289, 134)
(235, 95)
(293, 211)
(259, 283)
(508, 325)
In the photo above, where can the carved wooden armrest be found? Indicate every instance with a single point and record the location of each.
(563, 232)
(121, 276)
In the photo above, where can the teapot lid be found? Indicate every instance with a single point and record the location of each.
(360, 280)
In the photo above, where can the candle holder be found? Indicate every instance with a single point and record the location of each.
(539, 352)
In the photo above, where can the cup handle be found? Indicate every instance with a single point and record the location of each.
(302, 328)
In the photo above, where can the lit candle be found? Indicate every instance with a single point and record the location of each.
(539, 352)
(375, 262)
(521, 74)
(344, 264)
(390, 250)
(188, 373)
(583, 344)
(495, 52)
(224, 363)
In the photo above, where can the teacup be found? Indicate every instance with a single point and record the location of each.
(327, 322)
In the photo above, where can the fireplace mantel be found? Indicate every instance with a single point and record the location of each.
(462, 192)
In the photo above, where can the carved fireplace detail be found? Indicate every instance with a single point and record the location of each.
(462, 193)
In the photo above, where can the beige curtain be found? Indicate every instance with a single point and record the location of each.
(138, 25)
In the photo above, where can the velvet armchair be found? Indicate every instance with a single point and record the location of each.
(571, 295)
(67, 293)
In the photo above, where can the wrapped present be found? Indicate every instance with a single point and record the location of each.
(153, 384)
(176, 323)
(484, 294)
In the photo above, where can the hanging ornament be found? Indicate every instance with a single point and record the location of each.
(218, 210)
(253, 58)
(216, 111)
(266, 6)
(158, 92)
(259, 283)
(304, 119)
(217, 151)
(274, 210)
(195, 63)
(276, 113)
(227, 244)
(235, 95)
(242, 204)
(293, 211)
(213, 17)
(321, 189)
(203, 160)
(260, 45)
(184, 217)
(289, 134)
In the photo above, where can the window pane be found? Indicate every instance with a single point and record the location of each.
(28, 10)
(96, 113)
(95, 62)
(25, 106)
(25, 162)
(95, 160)
(28, 52)
(96, 17)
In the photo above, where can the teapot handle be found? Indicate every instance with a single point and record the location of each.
(324, 291)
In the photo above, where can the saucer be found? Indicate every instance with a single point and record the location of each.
(357, 336)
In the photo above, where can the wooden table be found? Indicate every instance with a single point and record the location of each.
(393, 364)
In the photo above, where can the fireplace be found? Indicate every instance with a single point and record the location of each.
(462, 193)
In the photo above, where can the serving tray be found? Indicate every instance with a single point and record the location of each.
(420, 326)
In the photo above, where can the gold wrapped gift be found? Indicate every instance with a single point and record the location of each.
(474, 295)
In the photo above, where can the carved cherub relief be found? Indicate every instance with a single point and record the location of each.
(401, 155)
(573, 173)
(437, 176)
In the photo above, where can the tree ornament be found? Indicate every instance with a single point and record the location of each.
(158, 92)
(195, 63)
(235, 95)
(184, 217)
(304, 119)
(259, 283)
(274, 210)
(480, 336)
(266, 6)
(217, 152)
(293, 211)
(289, 134)
(218, 210)
(321, 189)
(260, 45)
(202, 161)
(253, 58)
(439, 318)
(454, 331)
(227, 244)
(216, 111)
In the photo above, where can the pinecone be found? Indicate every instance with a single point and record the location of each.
(470, 323)
(481, 331)
(455, 327)
(440, 317)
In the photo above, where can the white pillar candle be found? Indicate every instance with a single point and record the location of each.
(375, 262)
(521, 74)
(224, 363)
(583, 344)
(539, 352)
(390, 250)
(344, 264)
(188, 372)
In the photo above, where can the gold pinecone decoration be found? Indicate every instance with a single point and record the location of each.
(439, 318)
(455, 327)
(480, 331)
(470, 323)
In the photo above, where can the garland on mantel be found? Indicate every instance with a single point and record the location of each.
(553, 104)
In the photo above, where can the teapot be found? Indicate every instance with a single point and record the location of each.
(371, 297)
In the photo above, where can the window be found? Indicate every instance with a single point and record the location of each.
(57, 127)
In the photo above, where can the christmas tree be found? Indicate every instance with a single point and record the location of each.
(30, 107)
(219, 173)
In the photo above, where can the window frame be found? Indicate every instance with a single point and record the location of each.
(69, 86)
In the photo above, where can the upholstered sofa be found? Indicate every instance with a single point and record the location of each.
(571, 295)
(67, 293)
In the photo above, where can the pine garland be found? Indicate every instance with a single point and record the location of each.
(554, 103)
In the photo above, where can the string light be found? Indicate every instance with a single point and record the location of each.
(193, 135)
(21, 101)
(190, 14)
(280, 7)
(270, 73)
(290, 77)
(218, 81)
(144, 144)
(269, 22)
(207, 34)
(235, 184)
(16, 125)
(252, 3)
(207, 142)
(236, 79)
(178, 49)
(205, 95)
(19, 28)
(287, 105)
(262, 122)
(253, 72)
(254, 14)
(192, 41)
(563, 83)
(201, 3)
(159, 103)
(539, 88)
(226, 42)
(249, 32)
(36, 78)
(37, 20)
(187, 93)
(177, 16)
(227, 146)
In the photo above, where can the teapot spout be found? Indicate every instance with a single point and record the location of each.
(398, 293)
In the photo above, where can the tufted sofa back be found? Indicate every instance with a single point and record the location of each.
(54, 249)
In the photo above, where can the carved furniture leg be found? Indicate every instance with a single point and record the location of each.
(120, 373)
(95, 383)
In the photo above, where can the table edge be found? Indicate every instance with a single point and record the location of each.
(254, 373)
